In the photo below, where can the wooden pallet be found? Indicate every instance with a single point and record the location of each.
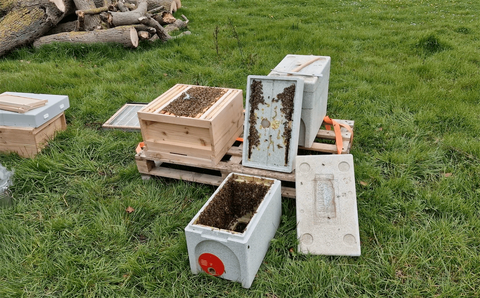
(214, 174)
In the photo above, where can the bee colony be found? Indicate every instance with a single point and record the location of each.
(192, 124)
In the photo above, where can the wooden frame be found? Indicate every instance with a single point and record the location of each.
(112, 123)
(19, 104)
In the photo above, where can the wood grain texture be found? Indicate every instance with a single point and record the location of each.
(28, 141)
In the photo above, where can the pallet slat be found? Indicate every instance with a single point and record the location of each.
(232, 162)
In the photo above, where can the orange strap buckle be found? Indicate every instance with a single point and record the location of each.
(338, 132)
(140, 147)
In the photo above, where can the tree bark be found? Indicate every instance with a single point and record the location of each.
(161, 32)
(126, 35)
(65, 6)
(164, 18)
(143, 35)
(63, 27)
(168, 5)
(129, 17)
(24, 21)
(90, 22)
(122, 7)
(102, 3)
(177, 25)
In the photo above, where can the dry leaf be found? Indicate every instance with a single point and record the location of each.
(448, 174)
(363, 183)
(129, 209)
(380, 128)
(291, 250)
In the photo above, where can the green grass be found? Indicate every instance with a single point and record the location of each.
(407, 72)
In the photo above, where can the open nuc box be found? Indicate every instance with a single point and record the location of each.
(231, 233)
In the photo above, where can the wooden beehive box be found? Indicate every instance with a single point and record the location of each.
(28, 141)
(202, 138)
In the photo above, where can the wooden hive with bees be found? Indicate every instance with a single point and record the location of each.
(191, 123)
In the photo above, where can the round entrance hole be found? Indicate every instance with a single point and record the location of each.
(265, 123)
(211, 264)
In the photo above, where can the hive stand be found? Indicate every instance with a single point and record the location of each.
(232, 162)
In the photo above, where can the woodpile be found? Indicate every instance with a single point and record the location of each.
(23, 22)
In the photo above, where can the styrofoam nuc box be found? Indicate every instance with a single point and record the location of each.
(315, 93)
(56, 105)
(232, 255)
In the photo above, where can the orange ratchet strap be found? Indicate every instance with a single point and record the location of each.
(338, 132)
(336, 129)
(140, 147)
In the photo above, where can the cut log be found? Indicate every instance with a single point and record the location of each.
(89, 22)
(97, 10)
(161, 32)
(157, 10)
(129, 17)
(127, 36)
(143, 35)
(65, 6)
(121, 6)
(177, 25)
(102, 3)
(169, 5)
(179, 4)
(24, 21)
(141, 27)
(164, 18)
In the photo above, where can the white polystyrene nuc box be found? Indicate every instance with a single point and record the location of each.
(222, 241)
(315, 93)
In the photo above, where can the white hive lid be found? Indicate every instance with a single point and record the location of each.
(327, 219)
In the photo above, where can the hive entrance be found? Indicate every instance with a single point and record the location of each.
(235, 203)
(194, 102)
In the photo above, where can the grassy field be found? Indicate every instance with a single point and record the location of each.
(407, 72)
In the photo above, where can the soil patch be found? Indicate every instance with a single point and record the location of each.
(195, 101)
(234, 205)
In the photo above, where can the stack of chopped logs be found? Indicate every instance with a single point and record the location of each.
(86, 21)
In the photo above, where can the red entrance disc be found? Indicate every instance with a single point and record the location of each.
(211, 264)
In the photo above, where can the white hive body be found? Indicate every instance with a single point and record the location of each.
(327, 219)
(232, 255)
(315, 94)
(272, 122)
